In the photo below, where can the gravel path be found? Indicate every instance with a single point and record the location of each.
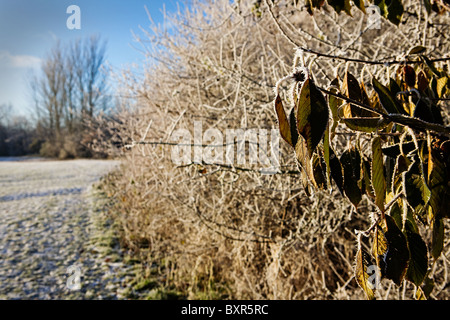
(54, 241)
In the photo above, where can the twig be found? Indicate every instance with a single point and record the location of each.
(234, 168)
(388, 205)
(347, 59)
(414, 123)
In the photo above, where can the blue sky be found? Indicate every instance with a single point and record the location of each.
(28, 30)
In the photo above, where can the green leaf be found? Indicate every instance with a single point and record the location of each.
(309, 6)
(428, 112)
(418, 262)
(417, 192)
(283, 122)
(394, 88)
(423, 293)
(293, 126)
(430, 65)
(304, 161)
(326, 154)
(391, 9)
(368, 124)
(437, 239)
(312, 115)
(367, 178)
(363, 278)
(378, 175)
(334, 103)
(360, 5)
(395, 211)
(395, 11)
(390, 164)
(319, 169)
(379, 247)
(339, 5)
(383, 7)
(410, 218)
(427, 5)
(417, 50)
(336, 171)
(397, 256)
(387, 99)
(438, 184)
(351, 164)
(441, 83)
(351, 89)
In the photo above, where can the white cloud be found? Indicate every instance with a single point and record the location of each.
(18, 61)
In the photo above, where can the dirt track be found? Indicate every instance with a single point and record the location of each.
(50, 232)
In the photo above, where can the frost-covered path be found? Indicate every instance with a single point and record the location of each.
(49, 231)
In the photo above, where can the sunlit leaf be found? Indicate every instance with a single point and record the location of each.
(360, 5)
(312, 115)
(396, 213)
(304, 160)
(363, 278)
(423, 292)
(368, 125)
(430, 65)
(383, 7)
(379, 247)
(354, 116)
(367, 178)
(326, 154)
(387, 99)
(391, 9)
(440, 88)
(390, 164)
(334, 103)
(351, 89)
(417, 50)
(283, 122)
(378, 175)
(410, 218)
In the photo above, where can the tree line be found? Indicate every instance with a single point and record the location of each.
(69, 90)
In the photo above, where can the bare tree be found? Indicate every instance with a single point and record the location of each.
(87, 58)
(71, 89)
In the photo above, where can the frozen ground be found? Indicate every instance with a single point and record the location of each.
(50, 231)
